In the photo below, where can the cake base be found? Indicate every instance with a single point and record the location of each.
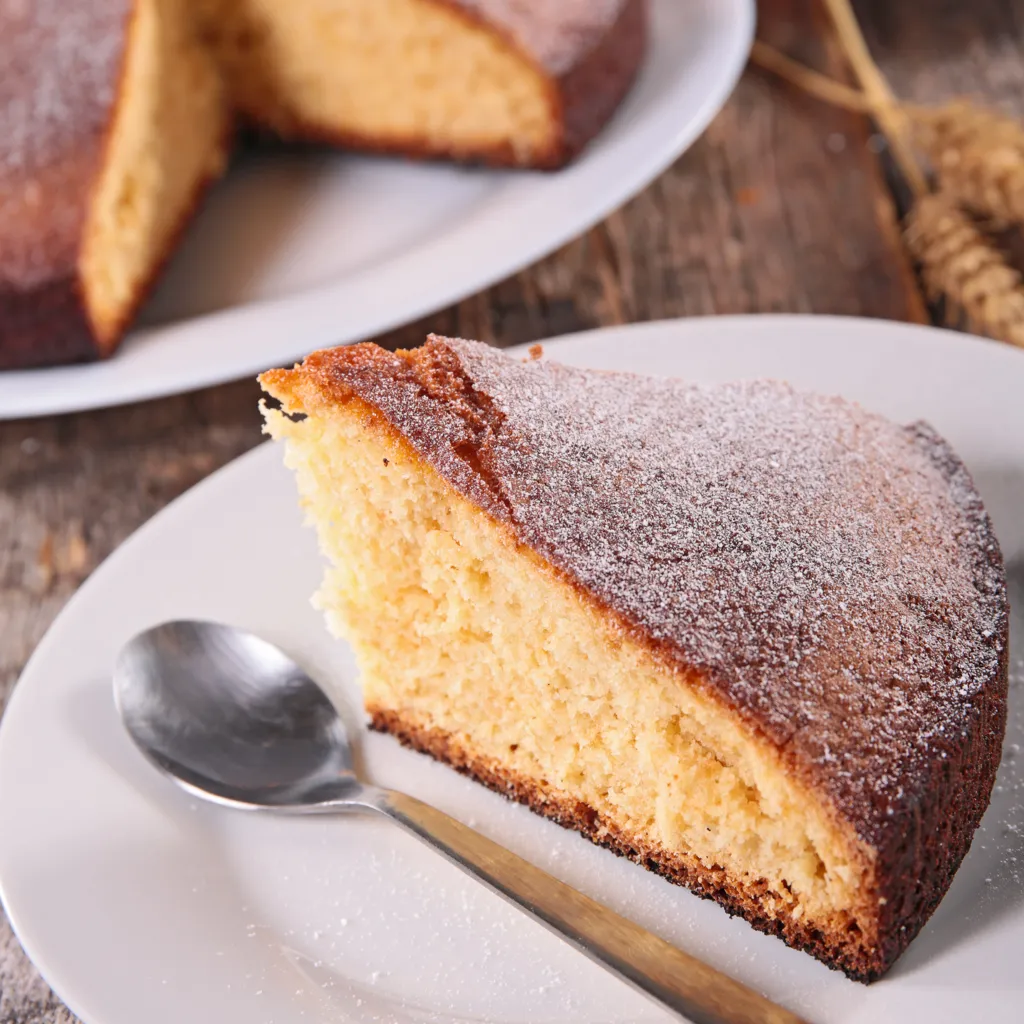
(830, 947)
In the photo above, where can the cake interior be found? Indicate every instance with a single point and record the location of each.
(412, 73)
(473, 648)
(406, 74)
(166, 141)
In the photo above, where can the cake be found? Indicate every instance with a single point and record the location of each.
(112, 121)
(754, 639)
(114, 115)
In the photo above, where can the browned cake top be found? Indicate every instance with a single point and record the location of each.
(557, 35)
(833, 576)
(60, 62)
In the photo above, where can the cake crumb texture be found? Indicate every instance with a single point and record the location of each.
(166, 141)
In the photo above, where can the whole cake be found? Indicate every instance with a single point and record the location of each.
(114, 115)
(754, 639)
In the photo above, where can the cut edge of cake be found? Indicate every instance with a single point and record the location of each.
(167, 142)
(429, 78)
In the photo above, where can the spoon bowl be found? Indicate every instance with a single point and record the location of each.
(233, 719)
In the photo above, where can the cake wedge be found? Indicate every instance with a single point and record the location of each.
(753, 639)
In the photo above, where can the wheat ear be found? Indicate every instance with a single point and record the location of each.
(978, 156)
(960, 264)
(961, 123)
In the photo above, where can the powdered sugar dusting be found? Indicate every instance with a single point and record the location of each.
(556, 35)
(59, 72)
(833, 575)
(60, 66)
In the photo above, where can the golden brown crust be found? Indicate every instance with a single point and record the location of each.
(555, 36)
(588, 52)
(591, 92)
(933, 828)
(841, 946)
(56, 108)
(934, 548)
(45, 325)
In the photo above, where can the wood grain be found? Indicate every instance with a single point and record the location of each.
(783, 205)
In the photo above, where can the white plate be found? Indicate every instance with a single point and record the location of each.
(296, 252)
(138, 903)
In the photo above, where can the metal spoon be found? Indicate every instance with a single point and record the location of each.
(234, 720)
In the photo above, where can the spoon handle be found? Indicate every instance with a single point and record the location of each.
(678, 981)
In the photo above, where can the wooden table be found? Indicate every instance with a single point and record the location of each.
(784, 205)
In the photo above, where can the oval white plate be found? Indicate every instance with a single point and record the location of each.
(295, 252)
(137, 902)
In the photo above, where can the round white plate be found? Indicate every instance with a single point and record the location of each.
(296, 252)
(137, 902)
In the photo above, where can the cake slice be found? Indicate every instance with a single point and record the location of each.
(523, 84)
(753, 639)
(112, 121)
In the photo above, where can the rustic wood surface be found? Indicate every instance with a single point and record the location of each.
(782, 206)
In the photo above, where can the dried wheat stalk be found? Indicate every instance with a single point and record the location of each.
(978, 158)
(890, 116)
(960, 264)
(814, 83)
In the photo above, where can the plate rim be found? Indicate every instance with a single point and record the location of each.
(67, 389)
(937, 338)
